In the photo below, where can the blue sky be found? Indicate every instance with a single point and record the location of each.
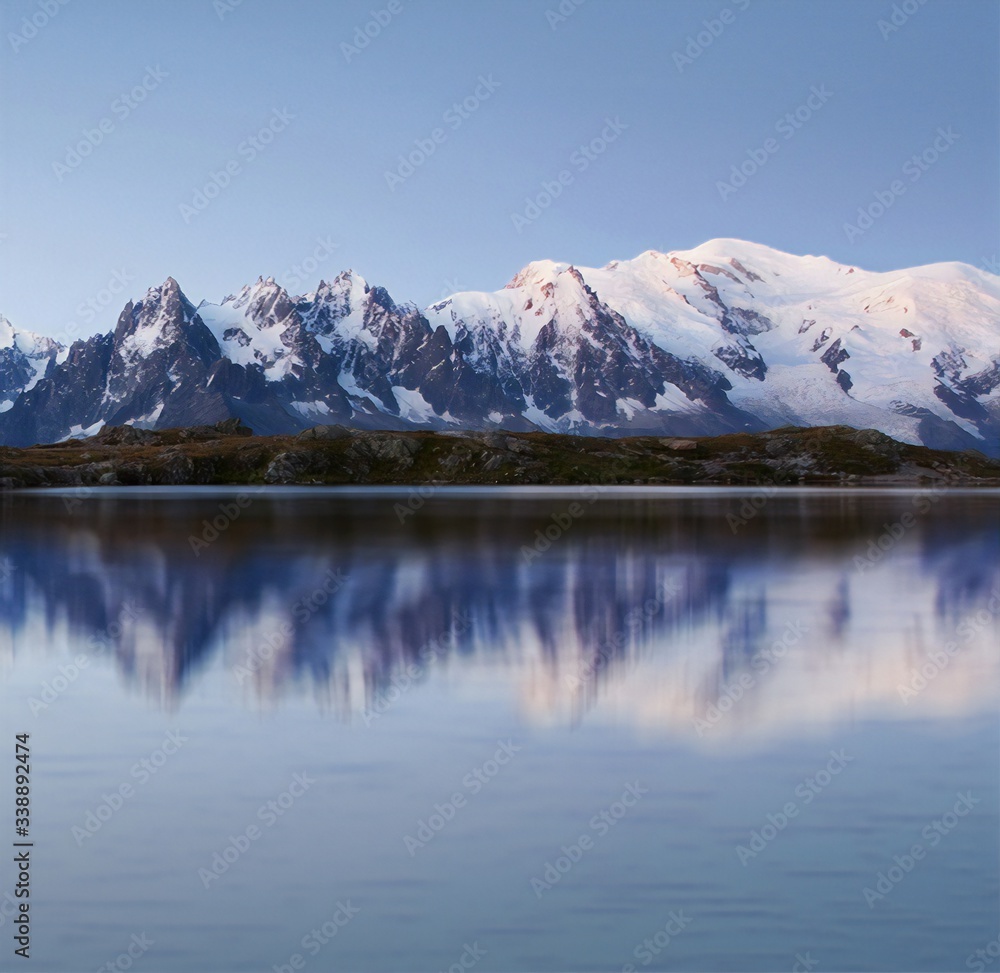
(666, 104)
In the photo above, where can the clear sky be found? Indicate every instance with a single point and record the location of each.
(668, 104)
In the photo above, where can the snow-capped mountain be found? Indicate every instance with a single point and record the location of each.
(24, 358)
(728, 336)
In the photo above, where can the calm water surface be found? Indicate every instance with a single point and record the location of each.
(494, 747)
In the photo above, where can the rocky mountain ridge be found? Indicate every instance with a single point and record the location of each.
(728, 337)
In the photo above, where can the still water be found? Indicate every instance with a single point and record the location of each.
(505, 729)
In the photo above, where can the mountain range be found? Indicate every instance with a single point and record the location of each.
(730, 336)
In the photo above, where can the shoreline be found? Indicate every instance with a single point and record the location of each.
(229, 455)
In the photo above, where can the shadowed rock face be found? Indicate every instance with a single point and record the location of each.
(57, 404)
(659, 345)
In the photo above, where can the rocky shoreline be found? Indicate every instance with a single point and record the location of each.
(229, 453)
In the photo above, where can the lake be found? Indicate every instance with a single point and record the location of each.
(506, 729)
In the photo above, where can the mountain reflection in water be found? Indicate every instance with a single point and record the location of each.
(660, 611)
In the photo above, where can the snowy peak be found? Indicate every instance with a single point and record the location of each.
(169, 288)
(26, 342)
(25, 358)
(264, 302)
(727, 336)
(537, 274)
(346, 283)
(253, 327)
(168, 298)
(796, 339)
(156, 323)
(165, 303)
(334, 301)
(8, 335)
